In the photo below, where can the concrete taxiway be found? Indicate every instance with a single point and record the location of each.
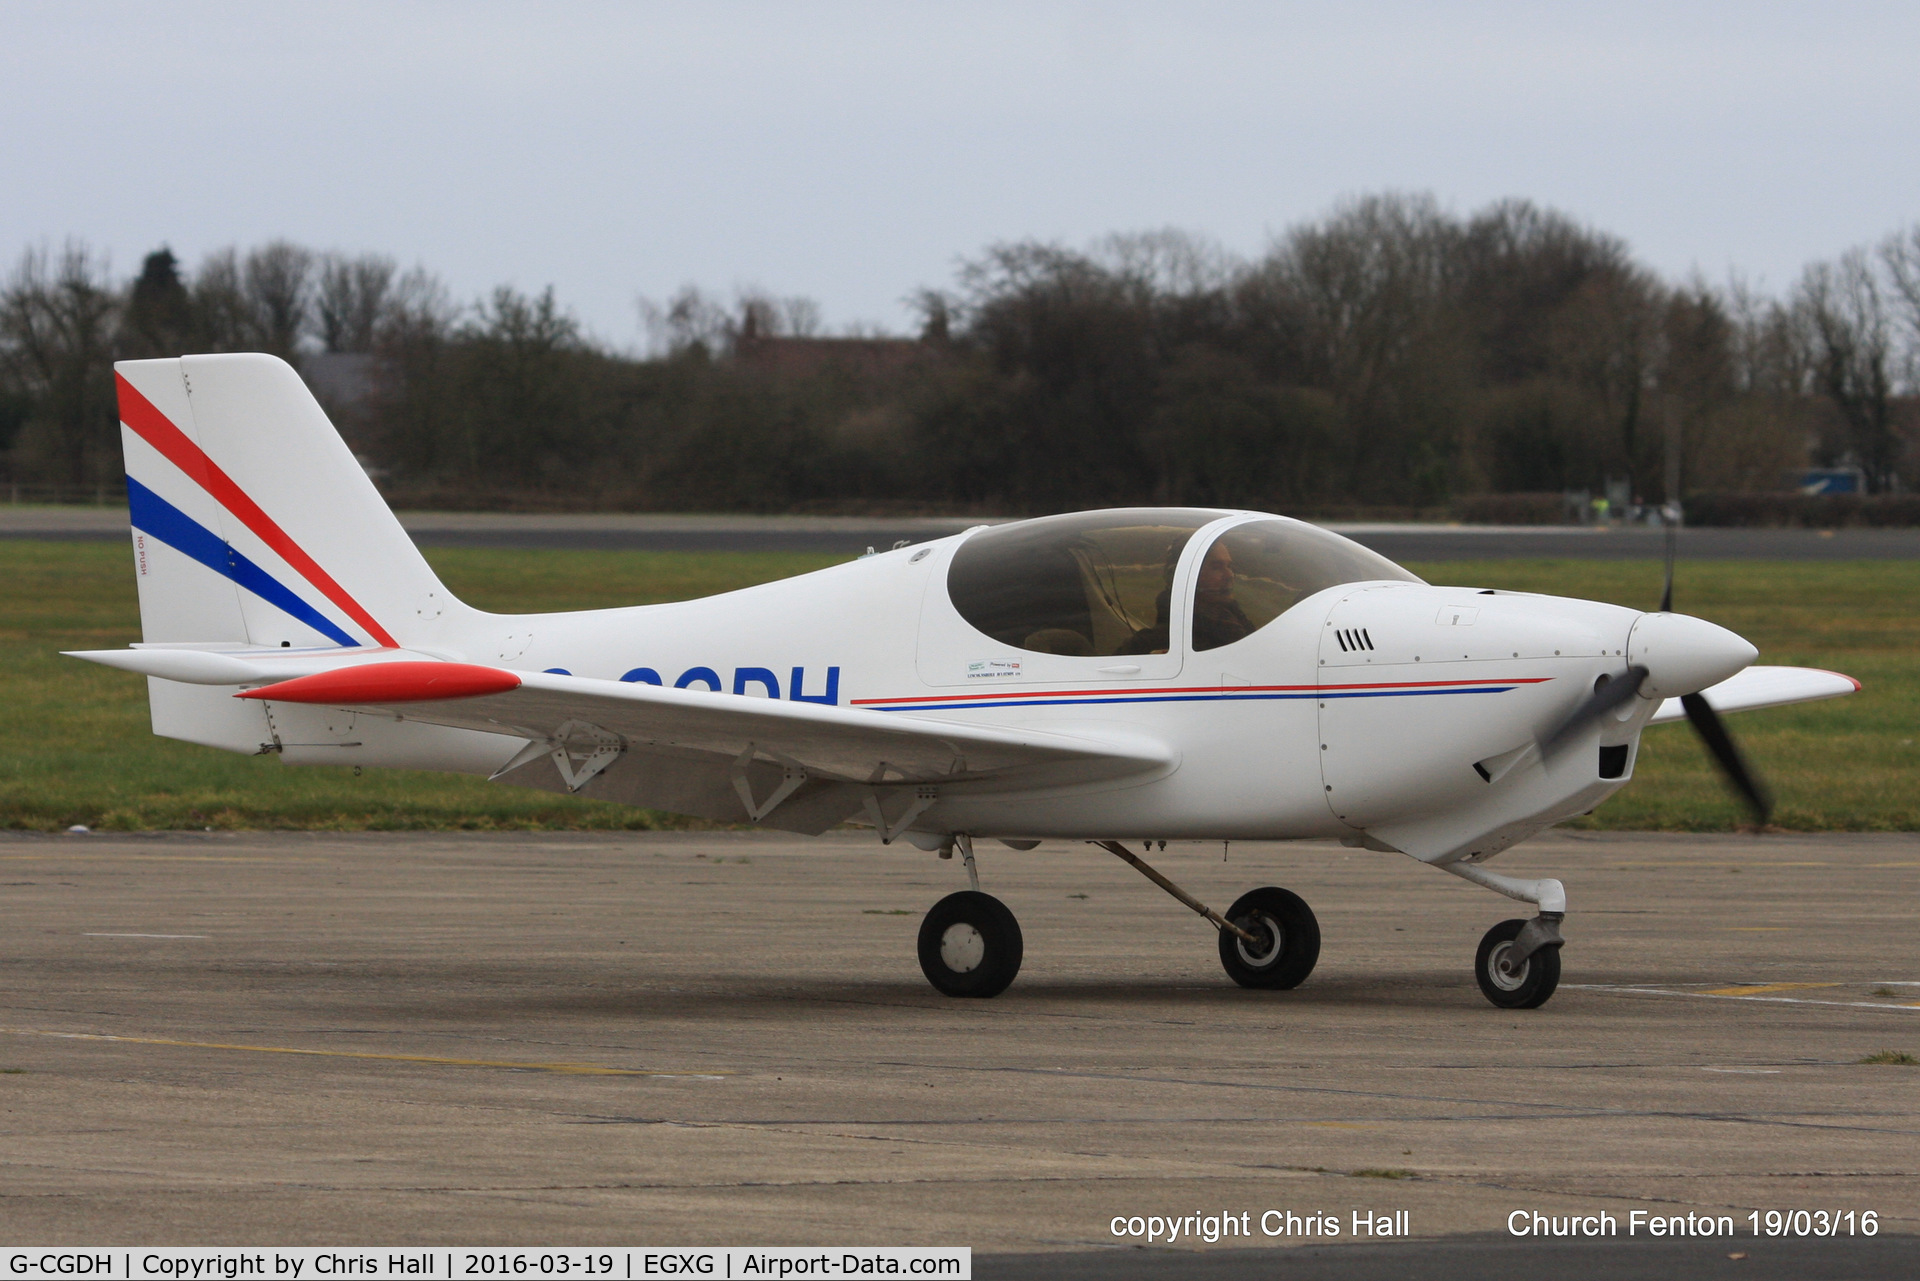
(724, 1039)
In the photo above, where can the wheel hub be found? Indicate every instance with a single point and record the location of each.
(962, 948)
(1267, 931)
(1506, 977)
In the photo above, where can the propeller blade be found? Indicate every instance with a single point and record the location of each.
(1706, 723)
(1605, 699)
(1673, 538)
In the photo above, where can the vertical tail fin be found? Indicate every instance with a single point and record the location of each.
(253, 522)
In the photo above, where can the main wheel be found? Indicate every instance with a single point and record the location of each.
(1287, 939)
(970, 945)
(1527, 988)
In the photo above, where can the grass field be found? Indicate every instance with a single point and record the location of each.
(75, 745)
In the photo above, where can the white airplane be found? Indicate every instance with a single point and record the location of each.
(1140, 673)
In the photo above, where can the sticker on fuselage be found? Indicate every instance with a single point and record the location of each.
(994, 669)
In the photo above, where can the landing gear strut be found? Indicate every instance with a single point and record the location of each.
(1518, 962)
(1268, 938)
(970, 945)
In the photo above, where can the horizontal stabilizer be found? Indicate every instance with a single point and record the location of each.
(190, 666)
(217, 663)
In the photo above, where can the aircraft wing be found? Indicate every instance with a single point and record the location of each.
(1764, 687)
(793, 764)
(847, 743)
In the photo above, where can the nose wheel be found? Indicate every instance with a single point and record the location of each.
(970, 945)
(1525, 985)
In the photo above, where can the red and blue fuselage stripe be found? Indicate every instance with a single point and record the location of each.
(1193, 694)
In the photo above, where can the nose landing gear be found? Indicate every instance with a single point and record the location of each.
(1512, 977)
(1518, 963)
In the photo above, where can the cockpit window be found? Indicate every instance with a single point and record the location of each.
(1092, 584)
(1256, 572)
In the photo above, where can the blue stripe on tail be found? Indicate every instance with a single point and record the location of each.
(154, 515)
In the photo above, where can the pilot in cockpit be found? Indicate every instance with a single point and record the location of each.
(1217, 617)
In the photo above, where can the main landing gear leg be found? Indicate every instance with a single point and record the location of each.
(970, 945)
(965, 843)
(1518, 962)
(1268, 938)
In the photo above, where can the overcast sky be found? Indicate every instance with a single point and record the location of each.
(853, 152)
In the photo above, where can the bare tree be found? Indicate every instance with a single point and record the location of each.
(689, 321)
(1846, 324)
(1372, 297)
(1168, 261)
(1608, 341)
(1373, 278)
(1900, 259)
(220, 303)
(418, 308)
(799, 317)
(58, 314)
(351, 298)
(262, 302)
(279, 287)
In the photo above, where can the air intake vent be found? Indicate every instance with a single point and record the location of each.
(1353, 639)
(1613, 761)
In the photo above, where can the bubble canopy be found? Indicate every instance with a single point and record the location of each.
(1100, 584)
(1254, 572)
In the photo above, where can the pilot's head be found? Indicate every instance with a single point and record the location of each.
(1216, 573)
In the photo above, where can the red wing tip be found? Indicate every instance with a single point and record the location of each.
(1857, 686)
(406, 682)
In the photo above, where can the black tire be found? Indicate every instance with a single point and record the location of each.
(970, 945)
(1527, 990)
(1289, 939)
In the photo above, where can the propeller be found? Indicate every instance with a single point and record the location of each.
(1691, 655)
(1668, 515)
(1707, 724)
(1700, 714)
(1608, 694)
